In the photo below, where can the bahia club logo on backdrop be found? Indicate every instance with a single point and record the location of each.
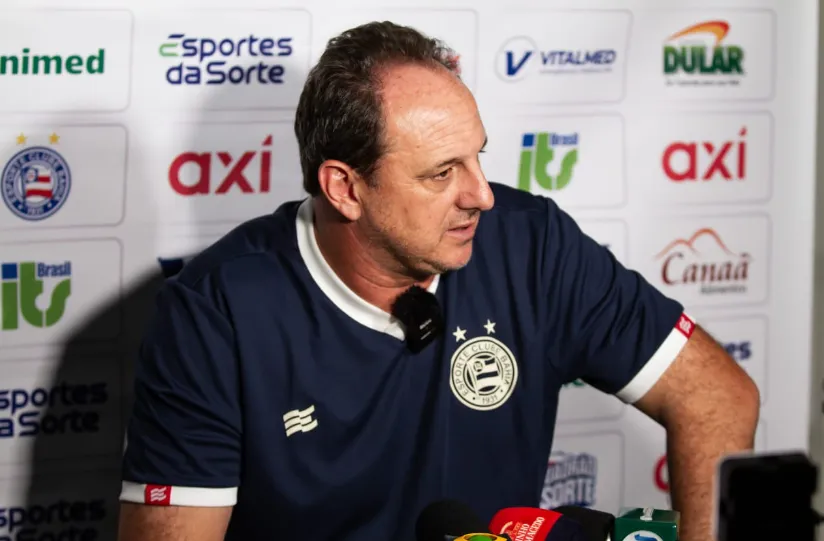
(240, 60)
(698, 56)
(28, 63)
(20, 286)
(548, 159)
(35, 182)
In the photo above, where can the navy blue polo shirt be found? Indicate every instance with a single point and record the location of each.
(264, 383)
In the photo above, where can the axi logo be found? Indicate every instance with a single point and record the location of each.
(20, 286)
(687, 52)
(64, 409)
(63, 520)
(36, 180)
(712, 268)
(26, 63)
(538, 152)
(204, 169)
(706, 160)
(570, 480)
(238, 61)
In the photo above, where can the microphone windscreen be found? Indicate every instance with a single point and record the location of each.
(534, 524)
(446, 519)
(597, 525)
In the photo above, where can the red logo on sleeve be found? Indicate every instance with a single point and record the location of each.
(685, 325)
(157, 495)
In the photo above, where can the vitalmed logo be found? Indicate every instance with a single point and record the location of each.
(521, 56)
(63, 409)
(704, 263)
(541, 150)
(22, 283)
(217, 173)
(570, 480)
(234, 60)
(699, 55)
(556, 57)
(69, 520)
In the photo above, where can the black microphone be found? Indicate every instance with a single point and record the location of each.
(420, 313)
(448, 520)
(597, 525)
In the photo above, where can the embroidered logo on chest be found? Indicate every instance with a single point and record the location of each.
(483, 371)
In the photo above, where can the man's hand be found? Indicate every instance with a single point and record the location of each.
(709, 407)
(172, 523)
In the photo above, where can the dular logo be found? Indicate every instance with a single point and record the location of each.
(570, 480)
(705, 263)
(483, 370)
(694, 56)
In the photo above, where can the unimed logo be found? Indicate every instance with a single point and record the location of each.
(204, 173)
(65, 520)
(27, 62)
(705, 262)
(63, 409)
(20, 286)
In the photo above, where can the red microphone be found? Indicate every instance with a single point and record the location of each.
(533, 524)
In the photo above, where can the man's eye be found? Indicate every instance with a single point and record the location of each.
(443, 175)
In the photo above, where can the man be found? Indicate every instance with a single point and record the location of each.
(277, 396)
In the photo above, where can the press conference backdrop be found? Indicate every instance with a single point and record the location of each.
(134, 133)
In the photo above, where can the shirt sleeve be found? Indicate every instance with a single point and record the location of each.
(183, 436)
(617, 332)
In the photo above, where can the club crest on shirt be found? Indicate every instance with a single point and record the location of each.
(483, 371)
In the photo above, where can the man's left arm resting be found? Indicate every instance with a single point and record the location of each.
(709, 407)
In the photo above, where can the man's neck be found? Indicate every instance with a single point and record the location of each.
(353, 260)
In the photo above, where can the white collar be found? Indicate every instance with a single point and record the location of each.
(339, 293)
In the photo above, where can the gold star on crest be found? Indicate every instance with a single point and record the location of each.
(54, 138)
(21, 139)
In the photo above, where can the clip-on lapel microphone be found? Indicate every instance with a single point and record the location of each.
(419, 312)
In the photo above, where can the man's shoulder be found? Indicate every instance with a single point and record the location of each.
(517, 213)
(266, 241)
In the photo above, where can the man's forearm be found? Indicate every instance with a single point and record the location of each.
(695, 443)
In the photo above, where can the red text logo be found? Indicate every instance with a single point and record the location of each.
(705, 160)
(661, 475)
(704, 260)
(193, 173)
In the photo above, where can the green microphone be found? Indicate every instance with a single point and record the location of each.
(646, 524)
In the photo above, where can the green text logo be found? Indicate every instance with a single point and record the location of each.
(700, 59)
(538, 153)
(27, 63)
(20, 286)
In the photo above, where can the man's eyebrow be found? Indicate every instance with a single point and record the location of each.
(453, 161)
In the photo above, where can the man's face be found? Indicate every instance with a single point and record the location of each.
(429, 189)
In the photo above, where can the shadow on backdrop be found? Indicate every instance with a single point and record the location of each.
(75, 478)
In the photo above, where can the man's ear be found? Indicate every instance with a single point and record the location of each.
(339, 183)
